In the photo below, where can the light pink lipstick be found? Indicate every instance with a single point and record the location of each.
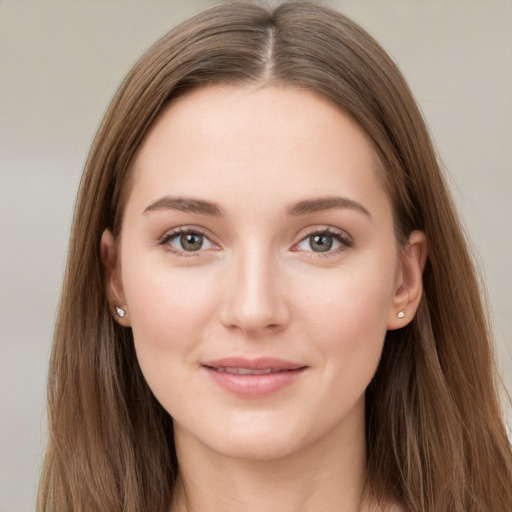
(253, 378)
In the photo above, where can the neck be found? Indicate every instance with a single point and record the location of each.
(326, 475)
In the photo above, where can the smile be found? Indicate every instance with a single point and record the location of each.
(246, 371)
(253, 378)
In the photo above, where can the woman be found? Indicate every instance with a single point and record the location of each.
(249, 317)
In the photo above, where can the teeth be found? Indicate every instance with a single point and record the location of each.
(245, 371)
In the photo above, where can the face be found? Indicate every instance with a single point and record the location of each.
(259, 269)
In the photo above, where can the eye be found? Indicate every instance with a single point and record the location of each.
(187, 241)
(324, 242)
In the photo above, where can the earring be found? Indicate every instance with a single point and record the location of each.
(119, 311)
(401, 314)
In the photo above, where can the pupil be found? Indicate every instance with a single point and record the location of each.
(320, 243)
(191, 241)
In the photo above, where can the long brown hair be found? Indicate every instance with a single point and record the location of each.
(435, 435)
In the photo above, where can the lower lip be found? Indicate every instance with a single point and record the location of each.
(254, 386)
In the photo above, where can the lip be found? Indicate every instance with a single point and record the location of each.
(253, 378)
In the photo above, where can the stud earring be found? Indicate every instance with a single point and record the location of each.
(401, 314)
(119, 312)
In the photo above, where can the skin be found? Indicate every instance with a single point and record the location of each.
(259, 287)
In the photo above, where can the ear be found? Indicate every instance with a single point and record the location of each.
(112, 278)
(413, 258)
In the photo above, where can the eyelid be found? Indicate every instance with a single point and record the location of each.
(345, 240)
(174, 232)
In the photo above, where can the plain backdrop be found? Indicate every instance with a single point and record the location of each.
(60, 62)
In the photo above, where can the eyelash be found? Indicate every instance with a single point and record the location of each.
(171, 235)
(344, 240)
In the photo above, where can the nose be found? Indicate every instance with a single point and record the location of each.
(254, 299)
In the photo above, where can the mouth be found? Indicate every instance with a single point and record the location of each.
(246, 371)
(253, 378)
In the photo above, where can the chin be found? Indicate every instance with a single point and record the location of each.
(258, 448)
(250, 438)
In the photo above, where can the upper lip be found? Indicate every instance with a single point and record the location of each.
(261, 363)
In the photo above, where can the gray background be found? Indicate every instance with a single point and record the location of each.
(60, 62)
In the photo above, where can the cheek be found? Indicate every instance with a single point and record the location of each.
(356, 298)
(169, 311)
(349, 322)
(161, 298)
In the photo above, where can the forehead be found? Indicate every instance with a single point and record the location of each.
(278, 141)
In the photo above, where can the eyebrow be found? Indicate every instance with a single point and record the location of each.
(325, 203)
(308, 206)
(186, 204)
